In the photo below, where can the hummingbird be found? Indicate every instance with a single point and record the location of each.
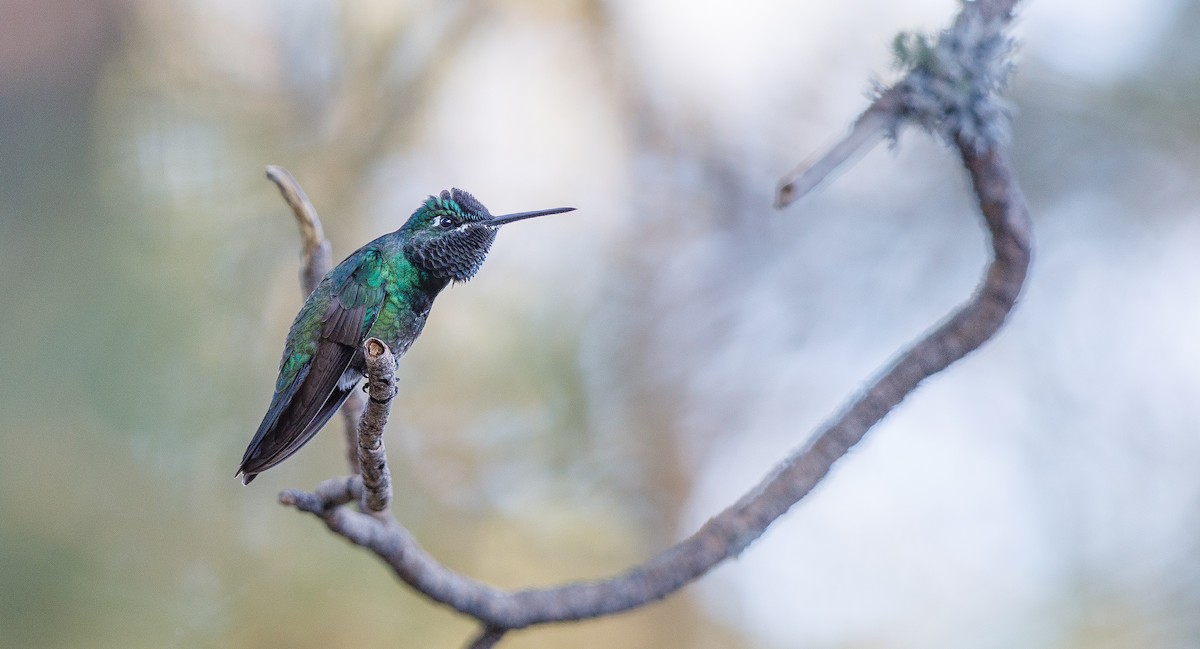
(383, 290)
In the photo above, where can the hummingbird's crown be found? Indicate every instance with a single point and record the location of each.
(469, 203)
(457, 203)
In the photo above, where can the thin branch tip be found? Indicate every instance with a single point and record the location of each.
(784, 195)
(302, 207)
(303, 501)
(317, 251)
(876, 123)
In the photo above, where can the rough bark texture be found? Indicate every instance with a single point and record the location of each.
(372, 457)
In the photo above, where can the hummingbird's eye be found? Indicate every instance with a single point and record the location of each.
(448, 223)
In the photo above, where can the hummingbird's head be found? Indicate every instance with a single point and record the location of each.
(450, 234)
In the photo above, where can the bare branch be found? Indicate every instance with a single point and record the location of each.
(951, 88)
(974, 122)
(372, 457)
(317, 257)
(332, 493)
(871, 127)
(317, 261)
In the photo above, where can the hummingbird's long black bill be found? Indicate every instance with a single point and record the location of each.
(509, 218)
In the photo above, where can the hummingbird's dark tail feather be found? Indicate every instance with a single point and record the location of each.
(297, 413)
(252, 467)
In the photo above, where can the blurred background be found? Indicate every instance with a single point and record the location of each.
(613, 376)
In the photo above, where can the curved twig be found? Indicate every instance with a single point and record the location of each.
(728, 533)
(317, 256)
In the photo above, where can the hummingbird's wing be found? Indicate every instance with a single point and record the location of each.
(308, 391)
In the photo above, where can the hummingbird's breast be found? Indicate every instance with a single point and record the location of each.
(401, 317)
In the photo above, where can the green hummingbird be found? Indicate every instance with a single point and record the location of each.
(383, 290)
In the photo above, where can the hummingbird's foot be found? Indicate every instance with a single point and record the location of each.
(382, 402)
(366, 387)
